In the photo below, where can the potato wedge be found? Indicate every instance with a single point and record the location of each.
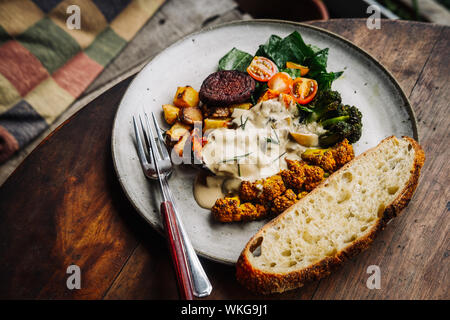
(190, 115)
(171, 113)
(305, 139)
(186, 97)
(176, 132)
(215, 123)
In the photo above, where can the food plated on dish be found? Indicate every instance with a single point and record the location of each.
(266, 129)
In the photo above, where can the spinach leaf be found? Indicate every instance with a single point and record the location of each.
(294, 73)
(324, 80)
(281, 50)
(293, 48)
(235, 60)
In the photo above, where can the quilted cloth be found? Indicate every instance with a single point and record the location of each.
(45, 63)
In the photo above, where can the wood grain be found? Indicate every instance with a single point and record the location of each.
(64, 206)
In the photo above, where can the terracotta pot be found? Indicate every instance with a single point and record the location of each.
(293, 10)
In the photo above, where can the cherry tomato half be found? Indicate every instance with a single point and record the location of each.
(303, 70)
(262, 69)
(304, 90)
(281, 82)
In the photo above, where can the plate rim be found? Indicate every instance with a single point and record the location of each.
(407, 103)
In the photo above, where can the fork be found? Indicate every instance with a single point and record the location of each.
(191, 276)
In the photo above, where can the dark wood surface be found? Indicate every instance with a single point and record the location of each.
(64, 205)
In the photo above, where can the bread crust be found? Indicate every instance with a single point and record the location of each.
(265, 283)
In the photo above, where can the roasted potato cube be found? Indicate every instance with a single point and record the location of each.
(190, 115)
(179, 146)
(171, 113)
(216, 123)
(219, 112)
(245, 106)
(176, 132)
(186, 97)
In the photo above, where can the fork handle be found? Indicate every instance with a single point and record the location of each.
(177, 251)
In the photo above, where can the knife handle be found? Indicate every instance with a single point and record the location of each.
(177, 251)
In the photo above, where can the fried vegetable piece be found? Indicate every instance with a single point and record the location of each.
(245, 106)
(226, 209)
(293, 179)
(174, 134)
(186, 97)
(342, 153)
(284, 201)
(229, 209)
(250, 191)
(272, 187)
(301, 176)
(171, 113)
(330, 159)
(314, 175)
(209, 124)
(190, 115)
(320, 157)
(216, 112)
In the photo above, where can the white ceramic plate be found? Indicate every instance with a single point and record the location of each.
(365, 84)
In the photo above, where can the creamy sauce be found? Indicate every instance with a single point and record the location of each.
(256, 149)
(207, 189)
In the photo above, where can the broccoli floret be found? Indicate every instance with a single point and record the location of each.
(345, 123)
(324, 102)
(330, 159)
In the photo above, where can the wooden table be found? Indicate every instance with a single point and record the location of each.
(64, 205)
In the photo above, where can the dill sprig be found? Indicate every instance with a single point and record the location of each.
(280, 156)
(243, 123)
(236, 158)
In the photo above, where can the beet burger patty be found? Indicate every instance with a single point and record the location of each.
(226, 87)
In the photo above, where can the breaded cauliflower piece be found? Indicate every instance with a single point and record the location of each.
(320, 157)
(332, 158)
(226, 209)
(250, 212)
(293, 179)
(284, 201)
(229, 209)
(314, 175)
(302, 176)
(250, 191)
(272, 187)
(342, 153)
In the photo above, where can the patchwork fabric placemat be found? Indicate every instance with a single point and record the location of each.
(46, 62)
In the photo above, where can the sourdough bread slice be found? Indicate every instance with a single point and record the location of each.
(334, 222)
